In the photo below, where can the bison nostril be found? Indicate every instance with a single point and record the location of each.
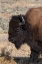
(12, 39)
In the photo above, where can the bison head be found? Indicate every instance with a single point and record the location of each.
(17, 30)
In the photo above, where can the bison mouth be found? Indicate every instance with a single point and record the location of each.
(17, 44)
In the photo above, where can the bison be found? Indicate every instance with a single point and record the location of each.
(27, 29)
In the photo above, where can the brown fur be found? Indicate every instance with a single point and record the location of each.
(34, 17)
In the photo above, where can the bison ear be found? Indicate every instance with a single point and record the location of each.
(22, 20)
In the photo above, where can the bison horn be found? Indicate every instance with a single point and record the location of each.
(23, 20)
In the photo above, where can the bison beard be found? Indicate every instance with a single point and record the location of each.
(27, 29)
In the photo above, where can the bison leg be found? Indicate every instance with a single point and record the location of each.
(33, 58)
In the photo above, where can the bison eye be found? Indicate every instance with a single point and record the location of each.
(17, 30)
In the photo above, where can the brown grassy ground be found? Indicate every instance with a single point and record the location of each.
(3, 60)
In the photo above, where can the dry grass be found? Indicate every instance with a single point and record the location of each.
(3, 60)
